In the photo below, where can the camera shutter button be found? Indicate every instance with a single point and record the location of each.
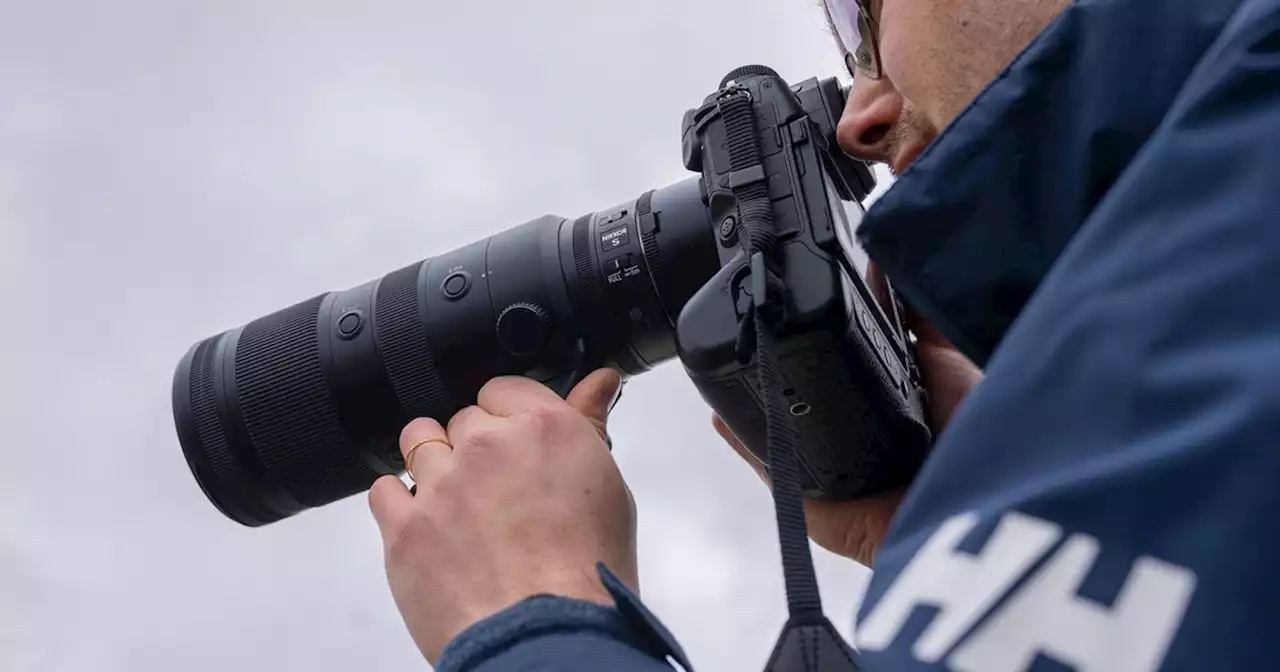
(523, 328)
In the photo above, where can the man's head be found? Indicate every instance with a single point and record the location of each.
(934, 58)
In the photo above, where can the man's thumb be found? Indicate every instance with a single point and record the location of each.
(390, 502)
(593, 397)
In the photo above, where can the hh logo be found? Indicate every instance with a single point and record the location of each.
(1043, 616)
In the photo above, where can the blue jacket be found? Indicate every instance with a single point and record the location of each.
(1100, 230)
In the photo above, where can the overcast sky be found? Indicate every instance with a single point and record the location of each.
(169, 169)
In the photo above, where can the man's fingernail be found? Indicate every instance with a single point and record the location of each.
(614, 385)
(617, 393)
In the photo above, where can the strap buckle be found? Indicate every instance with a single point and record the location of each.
(759, 282)
(732, 89)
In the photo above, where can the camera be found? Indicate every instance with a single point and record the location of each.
(304, 407)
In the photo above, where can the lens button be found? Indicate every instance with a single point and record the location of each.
(349, 325)
(617, 263)
(456, 285)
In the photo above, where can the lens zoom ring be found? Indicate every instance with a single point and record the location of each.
(204, 408)
(644, 205)
(289, 412)
(402, 340)
(649, 235)
(587, 274)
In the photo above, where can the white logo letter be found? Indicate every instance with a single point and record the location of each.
(962, 586)
(1046, 616)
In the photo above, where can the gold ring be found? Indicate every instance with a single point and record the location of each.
(408, 457)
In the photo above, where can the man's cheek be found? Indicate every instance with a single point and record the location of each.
(909, 44)
(894, 62)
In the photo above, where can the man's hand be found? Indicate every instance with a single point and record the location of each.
(856, 528)
(518, 497)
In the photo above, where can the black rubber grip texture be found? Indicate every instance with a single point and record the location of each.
(223, 467)
(649, 236)
(644, 205)
(587, 274)
(594, 320)
(401, 333)
(289, 412)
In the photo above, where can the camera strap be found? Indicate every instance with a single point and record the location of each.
(808, 642)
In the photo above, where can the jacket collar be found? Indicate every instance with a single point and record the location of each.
(971, 229)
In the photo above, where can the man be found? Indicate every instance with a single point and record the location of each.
(1096, 229)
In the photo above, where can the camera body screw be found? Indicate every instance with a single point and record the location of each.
(729, 231)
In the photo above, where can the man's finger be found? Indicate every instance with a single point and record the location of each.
(510, 395)
(879, 287)
(429, 444)
(391, 504)
(466, 423)
(593, 397)
(727, 434)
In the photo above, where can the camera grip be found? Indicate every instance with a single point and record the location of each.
(858, 432)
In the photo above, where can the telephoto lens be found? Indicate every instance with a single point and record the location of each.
(304, 407)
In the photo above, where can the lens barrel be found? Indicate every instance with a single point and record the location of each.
(304, 407)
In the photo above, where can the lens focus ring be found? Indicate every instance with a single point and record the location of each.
(402, 340)
(288, 410)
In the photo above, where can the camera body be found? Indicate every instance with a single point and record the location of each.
(851, 380)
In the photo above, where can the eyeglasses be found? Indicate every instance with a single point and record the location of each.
(857, 33)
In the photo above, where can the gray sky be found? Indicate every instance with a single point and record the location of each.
(171, 168)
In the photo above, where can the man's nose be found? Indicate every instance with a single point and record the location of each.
(874, 106)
